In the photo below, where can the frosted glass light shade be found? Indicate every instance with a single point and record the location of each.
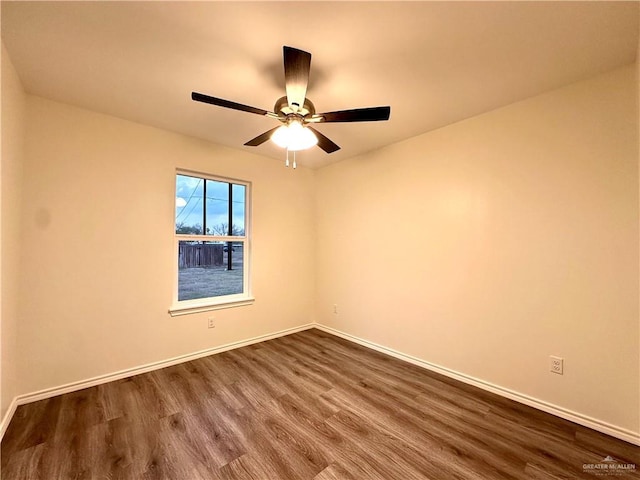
(294, 137)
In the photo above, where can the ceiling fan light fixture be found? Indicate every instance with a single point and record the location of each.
(294, 137)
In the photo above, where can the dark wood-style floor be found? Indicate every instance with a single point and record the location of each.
(305, 406)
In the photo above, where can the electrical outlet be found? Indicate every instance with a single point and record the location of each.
(211, 322)
(335, 308)
(556, 364)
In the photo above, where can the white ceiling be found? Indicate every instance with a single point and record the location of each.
(434, 63)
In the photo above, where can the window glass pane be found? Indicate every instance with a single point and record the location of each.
(189, 205)
(209, 269)
(217, 208)
(238, 209)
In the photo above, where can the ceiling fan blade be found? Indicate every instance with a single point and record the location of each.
(296, 75)
(371, 114)
(324, 143)
(199, 97)
(260, 139)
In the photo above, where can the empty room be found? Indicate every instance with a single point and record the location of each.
(319, 240)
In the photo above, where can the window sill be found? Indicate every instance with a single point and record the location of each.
(186, 308)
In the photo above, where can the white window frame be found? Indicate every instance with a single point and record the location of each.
(185, 307)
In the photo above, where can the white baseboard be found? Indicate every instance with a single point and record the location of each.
(584, 420)
(130, 372)
(595, 424)
(4, 423)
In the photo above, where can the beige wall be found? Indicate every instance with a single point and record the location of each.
(98, 246)
(488, 245)
(482, 247)
(13, 118)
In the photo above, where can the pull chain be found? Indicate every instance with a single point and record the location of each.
(286, 162)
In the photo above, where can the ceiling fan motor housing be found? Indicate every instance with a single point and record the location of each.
(283, 109)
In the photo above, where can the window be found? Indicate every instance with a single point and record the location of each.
(211, 243)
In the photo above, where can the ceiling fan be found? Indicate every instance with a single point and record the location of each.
(296, 112)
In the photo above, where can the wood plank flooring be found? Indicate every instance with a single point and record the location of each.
(305, 406)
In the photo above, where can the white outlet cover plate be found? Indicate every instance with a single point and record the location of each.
(556, 364)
